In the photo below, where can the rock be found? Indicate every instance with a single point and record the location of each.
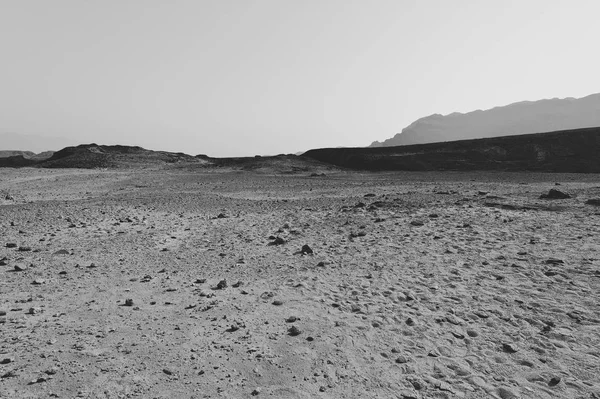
(129, 302)
(277, 241)
(11, 245)
(593, 201)
(509, 348)
(291, 319)
(294, 331)
(554, 381)
(472, 333)
(554, 261)
(222, 285)
(417, 223)
(401, 360)
(238, 284)
(221, 216)
(167, 371)
(277, 302)
(24, 249)
(61, 252)
(2, 312)
(38, 281)
(408, 394)
(19, 268)
(306, 250)
(555, 194)
(410, 322)
(256, 391)
(3, 262)
(507, 393)
(7, 360)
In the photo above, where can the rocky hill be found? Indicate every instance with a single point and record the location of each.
(519, 118)
(94, 156)
(564, 151)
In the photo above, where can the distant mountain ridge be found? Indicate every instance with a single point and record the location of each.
(524, 117)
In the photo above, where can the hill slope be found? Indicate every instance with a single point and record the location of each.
(518, 118)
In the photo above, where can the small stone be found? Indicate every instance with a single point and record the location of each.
(294, 331)
(168, 371)
(472, 333)
(401, 360)
(554, 381)
(222, 285)
(593, 201)
(11, 245)
(291, 319)
(61, 252)
(238, 284)
(129, 302)
(7, 360)
(306, 250)
(277, 302)
(256, 391)
(507, 393)
(19, 268)
(24, 249)
(38, 281)
(277, 241)
(555, 194)
(408, 394)
(509, 348)
(417, 223)
(410, 322)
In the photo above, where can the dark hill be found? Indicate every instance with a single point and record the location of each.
(16, 161)
(111, 156)
(88, 156)
(563, 151)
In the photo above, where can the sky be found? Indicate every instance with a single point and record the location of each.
(247, 77)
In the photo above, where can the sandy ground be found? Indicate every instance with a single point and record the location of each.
(419, 285)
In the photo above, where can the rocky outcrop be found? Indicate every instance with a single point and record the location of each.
(564, 151)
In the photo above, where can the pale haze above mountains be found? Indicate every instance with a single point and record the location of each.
(514, 119)
(33, 143)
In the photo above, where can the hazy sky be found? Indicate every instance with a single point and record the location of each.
(245, 77)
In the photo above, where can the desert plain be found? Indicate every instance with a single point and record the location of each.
(177, 282)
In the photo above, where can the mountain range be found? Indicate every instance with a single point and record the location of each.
(524, 117)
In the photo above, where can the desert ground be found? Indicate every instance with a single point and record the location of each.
(181, 283)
